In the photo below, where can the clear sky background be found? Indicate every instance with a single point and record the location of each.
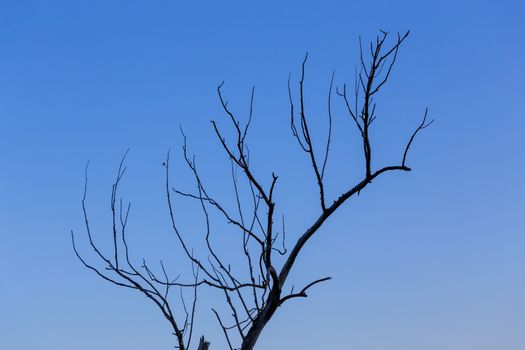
(433, 259)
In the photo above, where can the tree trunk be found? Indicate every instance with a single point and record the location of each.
(259, 324)
(252, 336)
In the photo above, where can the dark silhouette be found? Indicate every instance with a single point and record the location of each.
(254, 300)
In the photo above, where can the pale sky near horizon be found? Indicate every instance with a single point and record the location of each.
(432, 259)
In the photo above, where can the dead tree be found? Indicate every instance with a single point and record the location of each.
(253, 301)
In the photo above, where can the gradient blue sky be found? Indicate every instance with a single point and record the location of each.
(433, 260)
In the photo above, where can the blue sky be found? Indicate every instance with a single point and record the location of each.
(433, 259)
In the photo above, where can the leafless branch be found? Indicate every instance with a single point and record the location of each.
(302, 293)
(253, 292)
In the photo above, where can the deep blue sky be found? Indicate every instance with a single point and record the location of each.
(433, 259)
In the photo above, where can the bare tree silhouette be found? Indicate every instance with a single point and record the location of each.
(252, 300)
